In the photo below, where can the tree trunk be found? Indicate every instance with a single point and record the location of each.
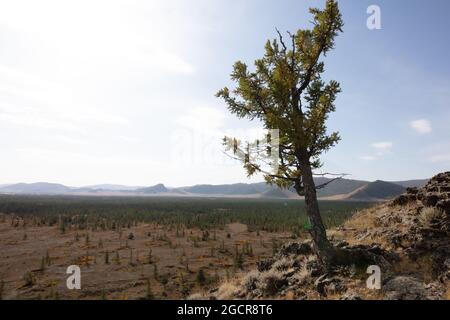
(323, 247)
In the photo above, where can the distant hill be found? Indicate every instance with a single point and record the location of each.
(35, 188)
(159, 188)
(419, 183)
(340, 189)
(279, 194)
(228, 189)
(377, 190)
(340, 186)
(112, 187)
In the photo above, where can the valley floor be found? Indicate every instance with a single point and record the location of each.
(134, 263)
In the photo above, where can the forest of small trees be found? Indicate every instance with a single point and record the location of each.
(112, 213)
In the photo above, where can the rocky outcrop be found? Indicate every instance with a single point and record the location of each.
(408, 238)
(410, 288)
(436, 193)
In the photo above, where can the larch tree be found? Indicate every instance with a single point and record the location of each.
(286, 92)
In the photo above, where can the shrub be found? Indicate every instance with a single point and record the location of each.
(271, 282)
(149, 294)
(283, 264)
(250, 281)
(2, 288)
(201, 277)
(428, 214)
(227, 291)
(29, 279)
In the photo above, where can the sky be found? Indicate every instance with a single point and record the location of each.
(123, 91)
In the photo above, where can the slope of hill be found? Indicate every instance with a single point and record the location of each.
(407, 238)
(158, 188)
(112, 187)
(340, 189)
(418, 183)
(228, 189)
(279, 194)
(35, 188)
(340, 186)
(377, 190)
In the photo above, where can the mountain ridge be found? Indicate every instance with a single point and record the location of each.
(342, 189)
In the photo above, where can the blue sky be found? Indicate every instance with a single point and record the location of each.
(123, 91)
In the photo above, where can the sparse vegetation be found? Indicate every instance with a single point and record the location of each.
(198, 234)
(429, 214)
(29, 279)
(2, 287)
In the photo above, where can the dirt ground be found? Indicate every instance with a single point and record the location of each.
(126, 264)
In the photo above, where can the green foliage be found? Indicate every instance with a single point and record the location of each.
(201, 277)
(29, 279)
(239, 260)
(149, 294)
(2, 288)
(107, 257)
(285, 91)
(271, 215)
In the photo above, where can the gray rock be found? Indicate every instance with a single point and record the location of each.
(409, 288)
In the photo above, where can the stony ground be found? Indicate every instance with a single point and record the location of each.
(408, 238)
(118, 265)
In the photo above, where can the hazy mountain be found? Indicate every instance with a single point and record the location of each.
(113, 187)
(228, 189)
(339, 189)
(377, 190)
(340, 186)
(419, 183)
(159, 188)
(35, 188)
(279, 194)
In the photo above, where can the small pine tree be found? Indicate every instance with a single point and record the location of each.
(107, 257)
(149, 295)
(201, 277)
(150, 257)
(2, 288)
(117, 257)
(47, 258)
(43, 263)
(29, 279)
(155, 272)
(239, 261)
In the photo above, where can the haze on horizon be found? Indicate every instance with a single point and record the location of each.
(122, 92)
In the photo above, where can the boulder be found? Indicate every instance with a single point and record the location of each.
(409, 288)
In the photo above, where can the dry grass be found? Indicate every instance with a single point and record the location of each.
(428, 214)
(177, 258)
(227, 290)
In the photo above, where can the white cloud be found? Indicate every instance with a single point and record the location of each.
(382, 146)
(203, 119)
(438, 158)
(421, 126)
(368, 158)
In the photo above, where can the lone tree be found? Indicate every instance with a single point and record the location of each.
(286, 92)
